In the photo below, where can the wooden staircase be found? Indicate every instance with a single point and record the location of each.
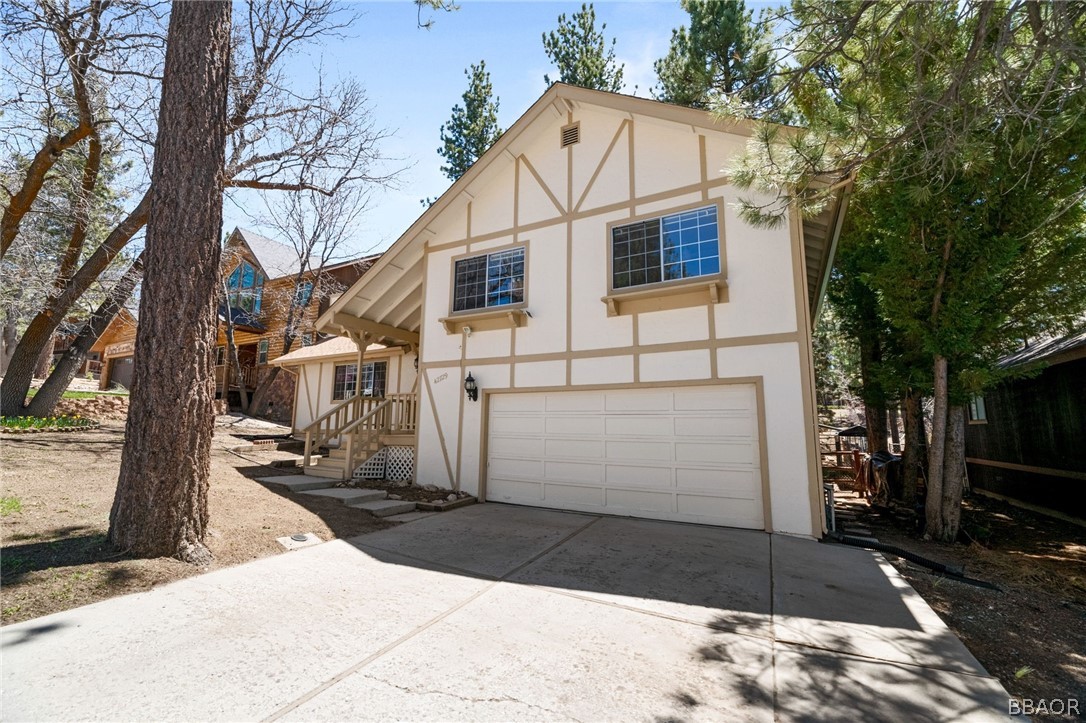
(356, 429)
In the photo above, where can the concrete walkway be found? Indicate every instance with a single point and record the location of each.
(505, 613)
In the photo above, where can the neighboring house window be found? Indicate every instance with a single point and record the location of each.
(262, 352)
(307, 340)
(679, 246)
(977, 413)
(303, 293)
(220, 355)
(373, 380)
(246, 287)
(488, 280)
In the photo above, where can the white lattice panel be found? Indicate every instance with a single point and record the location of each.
(399, 463)
(374, 467)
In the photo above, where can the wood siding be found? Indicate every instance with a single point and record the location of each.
(1030, 449)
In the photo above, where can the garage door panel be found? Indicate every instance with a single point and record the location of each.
(561, 495)
(683, 453)
(501, 403)
(621, 475)
(517, 491)
(638, 401)
(642, 449)
(736, 511)
(641, 500)
(582, 402)
(639, 426)
(588, 473)
(721, 452)
(531, 469)
(580, 448)
(734, 483)
(714, 427)
(569, 424)
(524, 425)
(517, 446)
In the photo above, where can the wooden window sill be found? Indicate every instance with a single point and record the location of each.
(670, 296)
(501, 317)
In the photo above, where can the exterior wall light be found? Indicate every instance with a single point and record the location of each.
(471, 388)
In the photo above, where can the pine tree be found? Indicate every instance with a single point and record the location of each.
(473, 127)
(723, 52)
(160, 508)
(581, 53)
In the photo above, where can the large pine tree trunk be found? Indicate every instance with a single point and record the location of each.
(160, 507)
(912, 457)
(933, 512)
(953, 474)
(45, 401)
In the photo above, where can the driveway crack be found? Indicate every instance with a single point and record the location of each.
(470, 699)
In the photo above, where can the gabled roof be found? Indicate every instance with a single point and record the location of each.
(389, 296)
(1052, 351)
(275, 259)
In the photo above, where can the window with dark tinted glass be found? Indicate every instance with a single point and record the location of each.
(495, 279)
(674, 247)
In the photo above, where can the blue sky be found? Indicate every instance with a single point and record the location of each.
(414, 77)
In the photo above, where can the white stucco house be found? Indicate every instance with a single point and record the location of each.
(637, 349)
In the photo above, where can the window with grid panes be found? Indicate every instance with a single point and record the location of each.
(670, 248)
(494, 279)
(373, 380)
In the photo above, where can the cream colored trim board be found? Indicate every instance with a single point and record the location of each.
(603, 162)
(543, 184)
(712, 345)
(440, 430)
(806, 374)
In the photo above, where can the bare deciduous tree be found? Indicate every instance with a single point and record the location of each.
(280, 139)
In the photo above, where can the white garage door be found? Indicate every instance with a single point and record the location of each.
(689, 454)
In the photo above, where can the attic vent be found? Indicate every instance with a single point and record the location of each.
(571, 134)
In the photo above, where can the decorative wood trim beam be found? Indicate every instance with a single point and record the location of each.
(366, 326)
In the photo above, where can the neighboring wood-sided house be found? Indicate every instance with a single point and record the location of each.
(596, 327)
(261, 276)
(1025, 438)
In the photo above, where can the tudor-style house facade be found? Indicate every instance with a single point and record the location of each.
(261, 279)
(597, 329)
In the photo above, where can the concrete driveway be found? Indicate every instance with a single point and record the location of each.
(506, 613)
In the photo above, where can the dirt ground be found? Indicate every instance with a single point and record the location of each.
(1032, 633)
(53, 550)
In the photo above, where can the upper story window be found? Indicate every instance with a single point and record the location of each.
(246, 287)
(670, 248)
(262, 352)
(303, 293)
(494, 279)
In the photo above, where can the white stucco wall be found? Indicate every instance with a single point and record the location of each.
(570, 340)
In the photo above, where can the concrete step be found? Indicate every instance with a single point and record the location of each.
(349, 496)
(296, 482)
(384, 508)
